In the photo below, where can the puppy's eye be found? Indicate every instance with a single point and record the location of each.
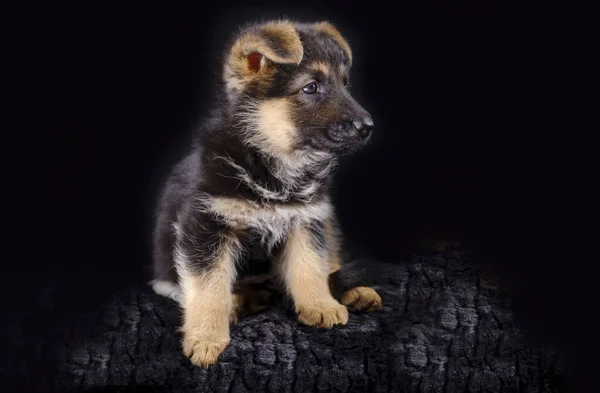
(311, 88)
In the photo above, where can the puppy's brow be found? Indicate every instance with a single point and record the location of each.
(320, 67)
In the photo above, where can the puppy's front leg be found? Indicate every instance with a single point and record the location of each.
(305, 272)
(207, 304)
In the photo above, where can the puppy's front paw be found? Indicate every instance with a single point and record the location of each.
(204, 350)
(362, 299)
(325, 315)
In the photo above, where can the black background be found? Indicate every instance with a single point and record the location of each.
(461, 95)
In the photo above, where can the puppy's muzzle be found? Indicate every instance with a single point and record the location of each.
(357, 130)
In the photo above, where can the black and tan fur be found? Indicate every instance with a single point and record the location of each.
(250, 201)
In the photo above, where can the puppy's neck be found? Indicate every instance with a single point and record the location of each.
(300, 176)
(301, 164)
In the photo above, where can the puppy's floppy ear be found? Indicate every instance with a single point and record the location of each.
(330, 30)
(276, 42)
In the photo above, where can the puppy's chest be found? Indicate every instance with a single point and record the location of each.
(259, 252)
(271, 221)
(267, 226)
(262, 235)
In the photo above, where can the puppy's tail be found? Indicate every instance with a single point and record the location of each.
(361, 273)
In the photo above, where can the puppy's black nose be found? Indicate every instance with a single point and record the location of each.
(364, 126)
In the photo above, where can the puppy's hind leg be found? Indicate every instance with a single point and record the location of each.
(353, 296)
(361, 299)
(165, 275)
(349, 285)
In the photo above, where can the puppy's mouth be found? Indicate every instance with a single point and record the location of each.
(344, 139)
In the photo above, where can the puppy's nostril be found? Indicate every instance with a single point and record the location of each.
(365, 131)
(364, 126)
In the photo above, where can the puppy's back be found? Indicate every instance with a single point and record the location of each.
(176, 193)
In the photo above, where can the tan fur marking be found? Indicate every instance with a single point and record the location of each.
(207, 307)
(237, 302)
(332, 31)
(242, 213)
(362, 299)
(333, 244)
(320, 66)
(275, 125)
(335, 263)
(305, 274)
(272, 220)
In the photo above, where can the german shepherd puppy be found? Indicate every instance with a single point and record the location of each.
(250, 199)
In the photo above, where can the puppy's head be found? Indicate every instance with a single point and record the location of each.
(287, 84)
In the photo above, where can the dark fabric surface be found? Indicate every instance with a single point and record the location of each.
(443, 328)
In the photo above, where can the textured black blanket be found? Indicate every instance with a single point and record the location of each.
(442, 329)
